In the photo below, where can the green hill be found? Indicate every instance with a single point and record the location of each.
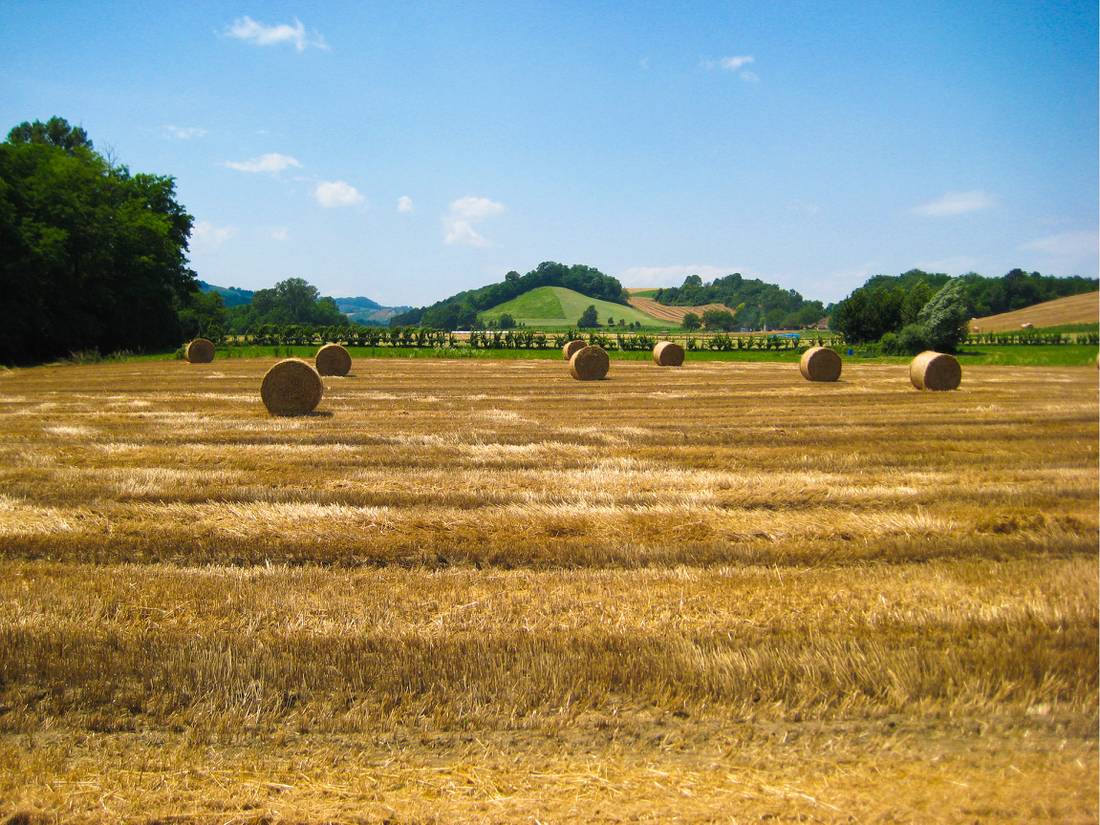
(554, 307)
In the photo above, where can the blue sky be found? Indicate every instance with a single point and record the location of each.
(405, 151)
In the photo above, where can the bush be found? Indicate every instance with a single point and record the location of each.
(691, 321)
(913, 339)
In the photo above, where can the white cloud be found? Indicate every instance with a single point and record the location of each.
(674, 274)
(183, 132)
(956, 203)
(271, 163)
(464, 213)
(732, 64)
(334, 193)
(260, 34)
(280, 233)
(1065, 244)
(404, 204)
(206, 237)
(735, 64)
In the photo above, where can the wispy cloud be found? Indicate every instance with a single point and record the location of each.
(956, 203)
(463, 215)
(271, 163)
(280, 233)
(1065, 244)
(260, 34)
(182, 132)
(206, 237)
(735, 64)
(333, 193)
(404, 204)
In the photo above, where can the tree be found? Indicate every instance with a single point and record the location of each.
(94, 257)
(945, 318)
(588, 318)
(721, 320)
(691, 321)
(204, 316)
(506, 321)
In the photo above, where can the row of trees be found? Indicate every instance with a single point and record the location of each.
(918, 310)
(94, 256)
(755, 302)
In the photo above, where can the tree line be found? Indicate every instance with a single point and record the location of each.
(754, 303)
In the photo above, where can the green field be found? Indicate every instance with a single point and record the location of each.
(555, 307)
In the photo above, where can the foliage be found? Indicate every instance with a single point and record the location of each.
(763, 303)
(94, 256)
(944, 318)
(691, 321)
(588, 318)
(204, 316)
(506, 321)
(719, 319)
(293, 301)
(888, 303)
(460, 311)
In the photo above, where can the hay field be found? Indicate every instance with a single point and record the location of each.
(1076, 309)
(480, 591)
(670, 314)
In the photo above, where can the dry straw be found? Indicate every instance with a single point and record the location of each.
(572, 347)
(200, 351)
(668, 354)
(589, 364)
(935, 371)
(333, 359)
(820, 364)
(291, 387)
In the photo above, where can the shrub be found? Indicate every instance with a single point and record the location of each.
(913, 339)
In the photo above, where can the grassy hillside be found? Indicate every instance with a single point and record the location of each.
(1076, 309)
(555, 307)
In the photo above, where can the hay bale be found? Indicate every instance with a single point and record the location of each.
(199, 351)
(668, 354)
(572, 347)
(820, 364)
(291, 387)
(333, 359)
(589, 364)
(935, 371)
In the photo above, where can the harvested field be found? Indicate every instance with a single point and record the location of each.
(1076, 309)
(674, 315)
(481, 591)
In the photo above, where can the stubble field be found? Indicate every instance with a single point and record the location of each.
(481, 591)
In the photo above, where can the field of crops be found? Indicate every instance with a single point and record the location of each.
(1076, 309)
(479, 591)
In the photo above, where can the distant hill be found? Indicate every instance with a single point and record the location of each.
(361, 310)
(1076, 309)
(231, 296)
(642, 300)
(550, 307)
(365, 311)
(461, 311)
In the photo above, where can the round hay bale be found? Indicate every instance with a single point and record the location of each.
(668, 354)
(820, 364)
(573, 346)
(589, 364)
(291, 387)
(333, 359)
(935, 371)
(199, 351)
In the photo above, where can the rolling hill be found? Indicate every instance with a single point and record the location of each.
(643, 301)
(550, 307)
(1076, 309)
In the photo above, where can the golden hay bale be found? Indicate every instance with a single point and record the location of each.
(935, 371)
(291, 387)
(668, 354)
(333, 359)
(820, 364)
(573, 346)
(200, 351)
(589, 364)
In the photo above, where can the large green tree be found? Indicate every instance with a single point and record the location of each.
(293, 301)
(94, 256)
